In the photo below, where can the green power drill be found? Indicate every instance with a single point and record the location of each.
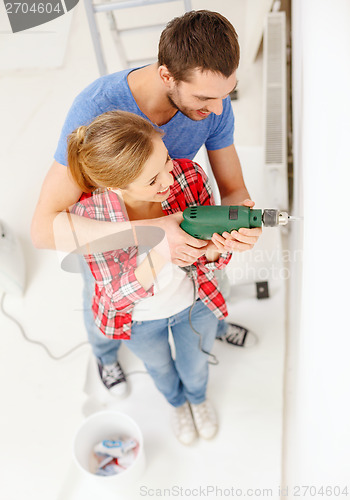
(202, 221)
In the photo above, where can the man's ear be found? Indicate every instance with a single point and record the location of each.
(165, 76)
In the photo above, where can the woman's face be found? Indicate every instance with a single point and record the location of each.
(153, 183)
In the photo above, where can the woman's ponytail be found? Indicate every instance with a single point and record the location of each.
(110, 151)
(76, 164)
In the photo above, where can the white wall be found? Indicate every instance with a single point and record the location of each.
(317, 438)
(40, 47)
(255, 20)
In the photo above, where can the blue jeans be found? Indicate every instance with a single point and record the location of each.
(186, 377)
(105, 349)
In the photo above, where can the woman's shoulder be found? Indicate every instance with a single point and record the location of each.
(191, 185)
(186, 170)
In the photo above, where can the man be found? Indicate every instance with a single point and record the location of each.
(186, 93)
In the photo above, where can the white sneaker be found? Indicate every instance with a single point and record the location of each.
(113, 378)
(183, 424)
(205, 420)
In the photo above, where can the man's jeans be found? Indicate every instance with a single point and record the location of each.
(186, 377)
(105, 349)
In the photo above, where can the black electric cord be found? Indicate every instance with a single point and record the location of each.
(41, 344)
(37, 342)
(188, 269)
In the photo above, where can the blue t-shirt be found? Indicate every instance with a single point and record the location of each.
(183, 137)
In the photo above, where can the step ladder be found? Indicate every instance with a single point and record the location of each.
(92, 9)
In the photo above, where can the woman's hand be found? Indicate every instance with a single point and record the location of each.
(217, 245)
(178, 246)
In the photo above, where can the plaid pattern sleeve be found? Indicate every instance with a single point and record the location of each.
(222, 261)
(118, 285)
(191, 187)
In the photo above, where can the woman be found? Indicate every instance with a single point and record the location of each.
(122, 164)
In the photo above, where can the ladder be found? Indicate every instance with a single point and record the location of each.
(108, 7)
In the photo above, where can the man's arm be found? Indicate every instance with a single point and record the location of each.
(52, 226)
(58, 192)
(228, 174)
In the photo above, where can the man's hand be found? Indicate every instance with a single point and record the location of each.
(184, 248)
(238, 241)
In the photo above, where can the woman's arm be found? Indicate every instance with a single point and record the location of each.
(52, 227)
(120, 280)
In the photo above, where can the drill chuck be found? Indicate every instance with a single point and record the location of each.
(273, 218)
(203, 221)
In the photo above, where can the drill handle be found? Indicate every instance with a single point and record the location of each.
(203, 221)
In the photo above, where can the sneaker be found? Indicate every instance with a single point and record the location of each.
(113, 378)
(239, 336)
(205, 420)
(183, 424)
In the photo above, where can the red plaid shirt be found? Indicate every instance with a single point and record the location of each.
(117, 289)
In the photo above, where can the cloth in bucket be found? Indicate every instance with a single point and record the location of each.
(113, 456)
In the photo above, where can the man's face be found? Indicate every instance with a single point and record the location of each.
(202, 95)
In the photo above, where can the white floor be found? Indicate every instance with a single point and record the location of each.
(43, 400)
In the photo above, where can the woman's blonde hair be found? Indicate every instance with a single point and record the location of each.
(110, 151)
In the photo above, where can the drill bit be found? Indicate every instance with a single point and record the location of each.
(272, 217)
(295, 217)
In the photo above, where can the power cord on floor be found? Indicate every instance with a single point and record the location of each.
(188, 269)
(136, 372)
(37, 342)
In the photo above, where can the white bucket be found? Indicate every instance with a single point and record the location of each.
(107, 425)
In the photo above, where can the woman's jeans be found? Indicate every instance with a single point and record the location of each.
(186, 377)
(105, 349)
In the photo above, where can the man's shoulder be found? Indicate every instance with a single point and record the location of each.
(106, 88)
(107, 93)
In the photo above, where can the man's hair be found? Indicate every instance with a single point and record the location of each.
(111, 151)
(199, 39)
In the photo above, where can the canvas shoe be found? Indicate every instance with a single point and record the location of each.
(183, 424)
(239, 336)
(205, 419)
(113, 378)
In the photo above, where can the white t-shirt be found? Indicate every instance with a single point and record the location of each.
(173, 292)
